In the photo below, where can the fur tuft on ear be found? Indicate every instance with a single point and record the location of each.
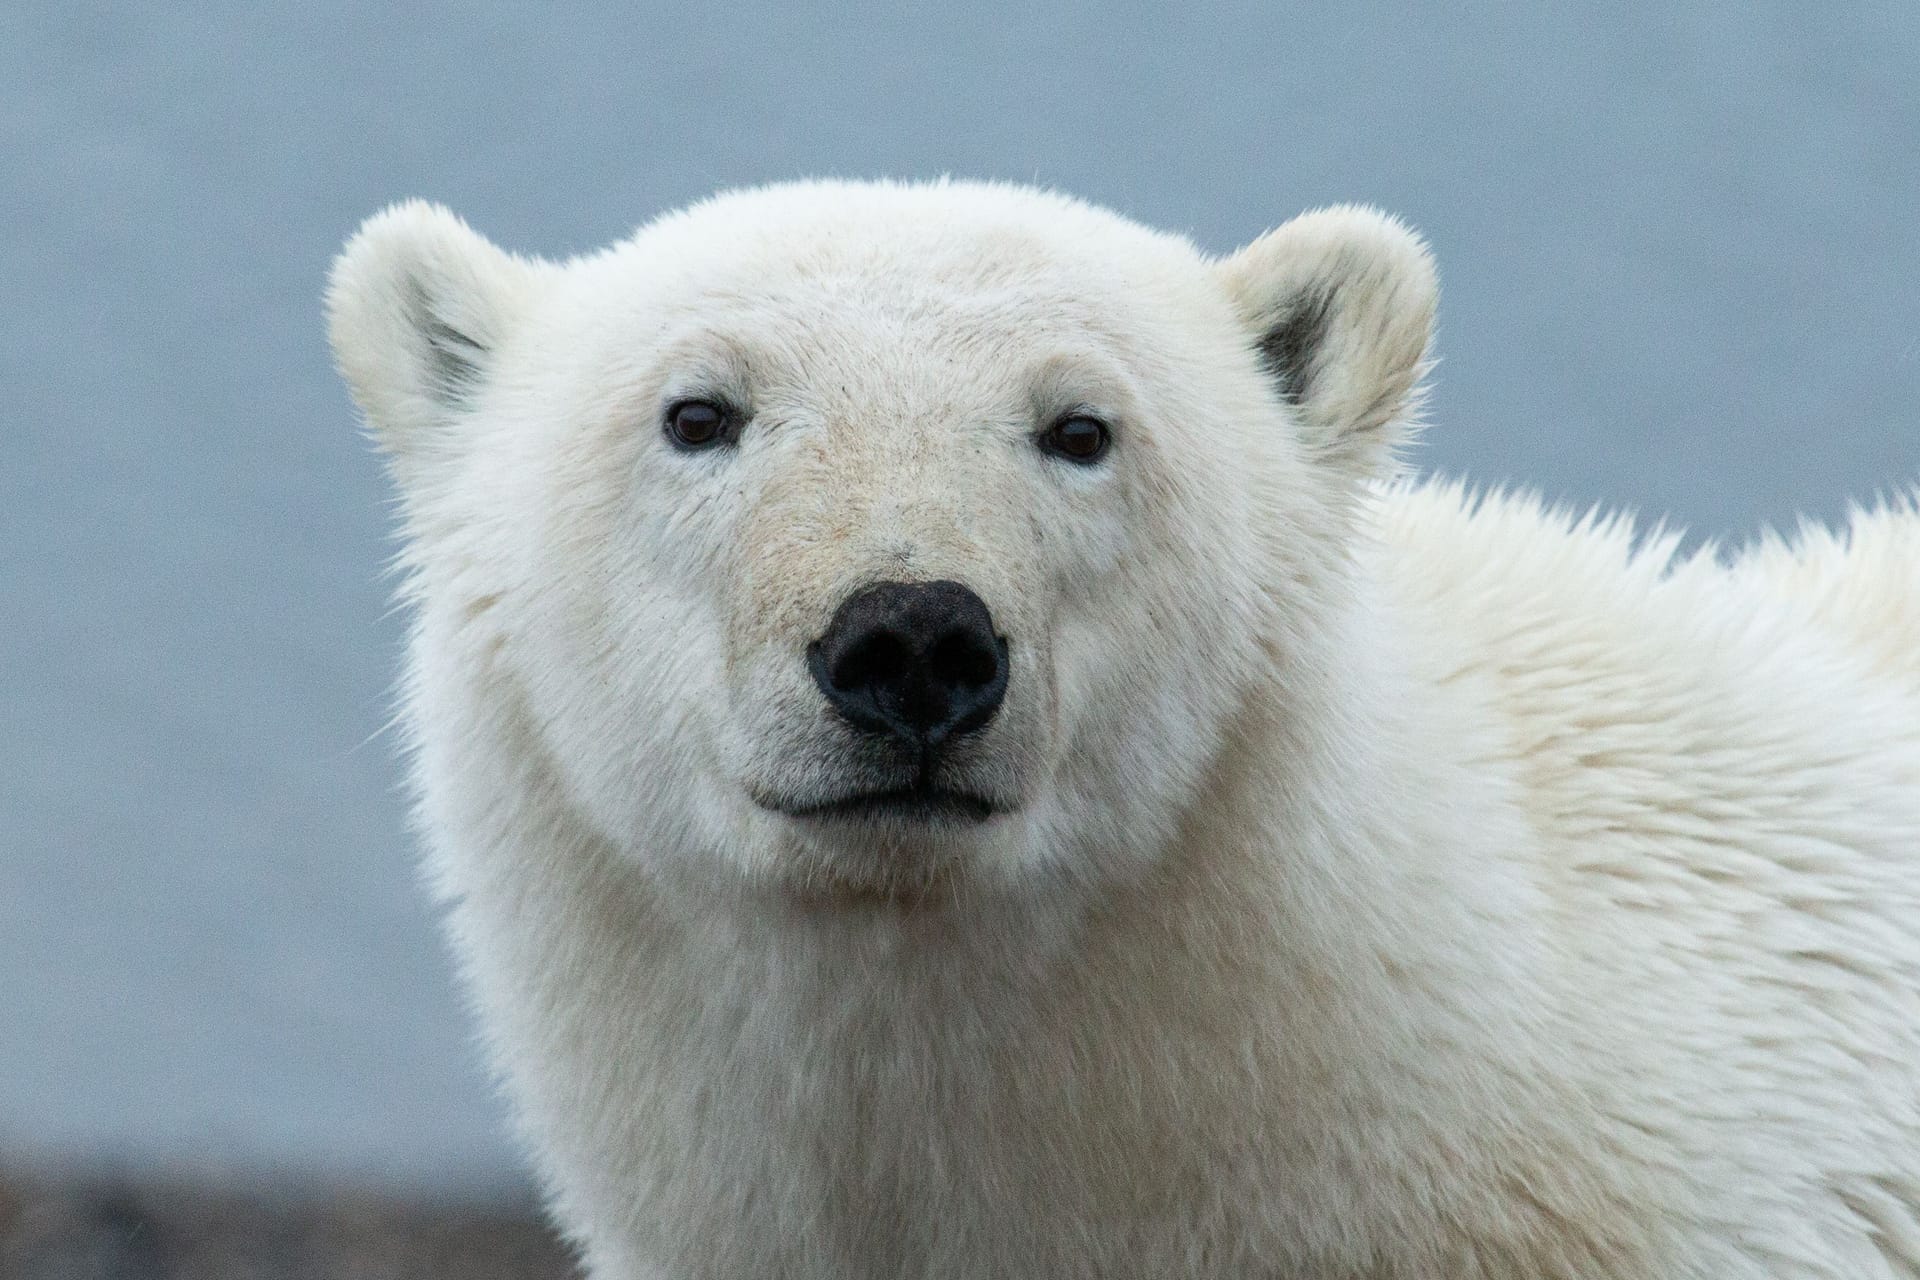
(417, 303)
(1339, 305)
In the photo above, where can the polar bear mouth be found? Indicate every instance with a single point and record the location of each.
(919, 805)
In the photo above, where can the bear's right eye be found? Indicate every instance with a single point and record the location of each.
(699, 424)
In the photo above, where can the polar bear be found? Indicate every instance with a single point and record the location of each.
(951, 751)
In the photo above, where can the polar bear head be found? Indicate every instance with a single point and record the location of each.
(872, 541)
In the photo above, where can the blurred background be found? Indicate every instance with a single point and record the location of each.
(1680, 264)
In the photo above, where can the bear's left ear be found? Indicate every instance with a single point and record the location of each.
(1338, 305)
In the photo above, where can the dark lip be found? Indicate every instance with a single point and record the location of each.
(915, 804)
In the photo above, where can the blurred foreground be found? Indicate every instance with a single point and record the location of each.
(128, 1229)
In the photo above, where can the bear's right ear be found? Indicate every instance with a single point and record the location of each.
(417, 304)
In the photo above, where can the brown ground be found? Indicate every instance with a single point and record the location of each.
(135, 1230)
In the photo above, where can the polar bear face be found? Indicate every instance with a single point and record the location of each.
(875, 543)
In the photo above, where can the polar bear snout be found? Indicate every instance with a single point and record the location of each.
(918, 662)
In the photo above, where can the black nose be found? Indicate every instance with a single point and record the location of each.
(918, 660)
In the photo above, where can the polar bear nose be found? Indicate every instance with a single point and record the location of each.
(917, 660)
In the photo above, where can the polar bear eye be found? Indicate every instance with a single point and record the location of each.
(699, 424)
(1078, 437)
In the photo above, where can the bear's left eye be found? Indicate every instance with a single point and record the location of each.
(699, 424)
(1077, 437)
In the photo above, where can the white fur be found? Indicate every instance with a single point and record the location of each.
(1394, 883)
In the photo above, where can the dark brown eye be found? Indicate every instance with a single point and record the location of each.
(1077, 437)
(697, 424)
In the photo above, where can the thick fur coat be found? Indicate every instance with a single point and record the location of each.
(1375, 880)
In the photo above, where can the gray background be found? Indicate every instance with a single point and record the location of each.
(1680, 260)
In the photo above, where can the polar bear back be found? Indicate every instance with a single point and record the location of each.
(1863, 583)
(1727, 794)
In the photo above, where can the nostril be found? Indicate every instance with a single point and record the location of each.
(875, 659)
(959, 658)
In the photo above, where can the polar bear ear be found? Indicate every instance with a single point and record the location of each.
(1339, 306)
(417, 304)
